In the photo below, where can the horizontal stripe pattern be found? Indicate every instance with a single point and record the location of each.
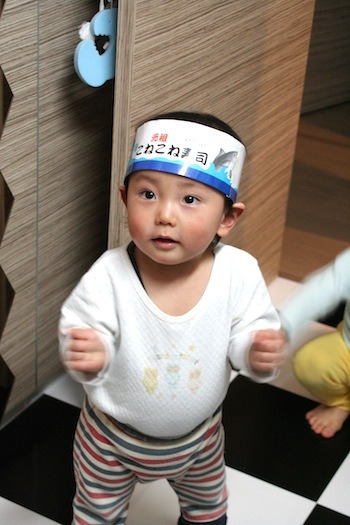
(109, 461)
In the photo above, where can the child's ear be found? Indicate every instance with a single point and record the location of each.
(123, 194)
(230, 218)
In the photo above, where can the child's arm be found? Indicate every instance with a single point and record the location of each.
(88, 326)
(266, 352)
(320, 293)
(85, 351)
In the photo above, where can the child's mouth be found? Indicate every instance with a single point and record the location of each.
(164, 241)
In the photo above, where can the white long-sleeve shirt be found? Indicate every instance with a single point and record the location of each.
(320, 293)
(167, 374)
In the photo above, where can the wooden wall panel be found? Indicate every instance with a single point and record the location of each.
(18, 165)
(318, 212)
(74, 125)
(55, 157)
(327, 80)
(242, 61)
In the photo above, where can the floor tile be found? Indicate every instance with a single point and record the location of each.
(13, 514)
(253, 501)
(322, 516)
(267, 437)
(36, 459)
(337, 494)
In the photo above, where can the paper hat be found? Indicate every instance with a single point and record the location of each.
(191, 150)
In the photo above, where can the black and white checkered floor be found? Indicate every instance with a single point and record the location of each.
(279, 472)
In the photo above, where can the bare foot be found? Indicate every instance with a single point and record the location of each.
(326, 420)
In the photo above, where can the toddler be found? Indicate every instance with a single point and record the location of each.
(155, 327)
(323, 364)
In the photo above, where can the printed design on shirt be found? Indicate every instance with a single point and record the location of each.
(172, 377)
(150, 380)
(194, 380)
(169, 371)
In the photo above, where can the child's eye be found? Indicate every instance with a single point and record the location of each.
(190, 199)
(148, 194)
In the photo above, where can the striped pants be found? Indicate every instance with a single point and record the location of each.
(109, 459)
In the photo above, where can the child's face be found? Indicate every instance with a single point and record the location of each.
(174, 219)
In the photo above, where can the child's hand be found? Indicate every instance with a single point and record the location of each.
(85, 351)
(266, 352)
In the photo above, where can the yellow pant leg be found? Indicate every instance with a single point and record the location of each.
(323, 367)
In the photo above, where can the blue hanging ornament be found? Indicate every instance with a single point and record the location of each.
(94, 56)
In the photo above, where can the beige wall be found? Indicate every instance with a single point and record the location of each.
(245, 62)
(55, 158)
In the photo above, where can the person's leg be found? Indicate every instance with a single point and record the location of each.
(323, 367)
(202, 490)
(103, 485)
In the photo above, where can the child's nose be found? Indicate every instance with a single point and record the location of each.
(166, 213)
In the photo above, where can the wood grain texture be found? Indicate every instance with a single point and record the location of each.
(55, 155)
(318, 212)
(75, 125)
(1, 102)
(327, 80)
(122, 132)
(242, 61)
(304, 252)
(18, 165)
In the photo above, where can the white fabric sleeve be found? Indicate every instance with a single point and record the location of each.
(320, 293)
(256, 312)
(91, 305)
